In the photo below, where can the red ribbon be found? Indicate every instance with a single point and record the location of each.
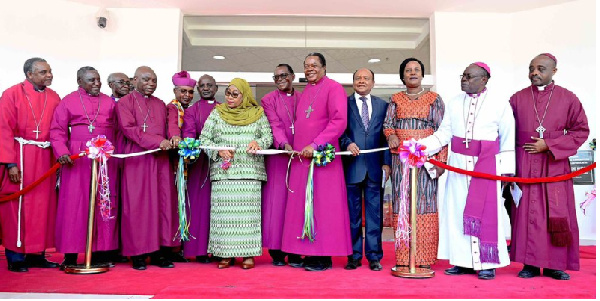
(29, 187)
(514, 179)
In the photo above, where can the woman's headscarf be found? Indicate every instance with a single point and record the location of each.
(247, 112)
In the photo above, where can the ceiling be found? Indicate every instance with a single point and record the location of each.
(372, 8)
(259, 43)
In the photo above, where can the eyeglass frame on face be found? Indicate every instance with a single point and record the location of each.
(280, 76)
(469, 76)
(228, 93)
(121, 82)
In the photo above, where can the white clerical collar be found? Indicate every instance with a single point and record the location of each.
(541, 88)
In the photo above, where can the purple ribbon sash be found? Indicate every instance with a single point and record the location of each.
(480, 218)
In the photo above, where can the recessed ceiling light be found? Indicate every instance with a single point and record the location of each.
(371, 61)
(218, 57)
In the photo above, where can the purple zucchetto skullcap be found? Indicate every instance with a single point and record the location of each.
(552, 57)
(484, 66)
(183, 79)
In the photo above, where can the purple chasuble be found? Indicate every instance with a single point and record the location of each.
(280, 110)
(544, 226)
(69, 133)
(148, 194)
(198, 183)
(326, 124)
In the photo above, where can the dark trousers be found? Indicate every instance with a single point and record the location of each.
(12, 256)
(373, 218)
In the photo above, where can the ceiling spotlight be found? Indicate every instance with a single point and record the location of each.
(372, 61)
(218, 57)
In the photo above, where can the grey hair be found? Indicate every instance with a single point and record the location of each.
(28, 66)
(83, 70)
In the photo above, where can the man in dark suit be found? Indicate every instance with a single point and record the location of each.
(364, 172)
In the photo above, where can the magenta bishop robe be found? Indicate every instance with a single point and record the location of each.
(68, 134)
(552, 203)
(198, 181)
(148, 194)
(325, 125)
(280, 110)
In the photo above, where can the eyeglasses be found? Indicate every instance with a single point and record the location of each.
(122, 82)
(469, 76)
(184, 91)
(234, 95)
(280, 76)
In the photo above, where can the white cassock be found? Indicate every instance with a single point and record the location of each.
(480, 118)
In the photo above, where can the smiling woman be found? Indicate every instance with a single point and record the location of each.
(236, 176)
(415, 114)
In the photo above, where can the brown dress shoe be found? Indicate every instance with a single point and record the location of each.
(248, 263)
(225, 263)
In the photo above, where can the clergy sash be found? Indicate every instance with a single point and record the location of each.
(480, 217)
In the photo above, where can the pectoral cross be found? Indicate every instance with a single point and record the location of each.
(292, 127)
(91, 127)
(540, 129)
(144, 126)
(37, 132)
(308, 111)
(466, 142)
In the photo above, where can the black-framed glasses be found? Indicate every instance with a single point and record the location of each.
(469, 76)
(122, 82)
(280, 76)
(234, 95)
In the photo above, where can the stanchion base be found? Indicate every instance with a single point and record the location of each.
(404, 272)
(81, 269)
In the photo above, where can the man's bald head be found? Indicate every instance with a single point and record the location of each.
(207, 87)
(145, 80)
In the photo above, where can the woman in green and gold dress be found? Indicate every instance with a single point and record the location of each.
(235, 216)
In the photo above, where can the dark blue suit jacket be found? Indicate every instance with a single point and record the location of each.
(357, 168)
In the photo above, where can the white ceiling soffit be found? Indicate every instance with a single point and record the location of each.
(311, 32)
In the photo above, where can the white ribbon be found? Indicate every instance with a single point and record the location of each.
(40, 144)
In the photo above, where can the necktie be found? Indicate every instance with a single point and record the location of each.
(365, 112)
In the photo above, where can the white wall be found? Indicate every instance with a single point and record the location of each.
(507, 43)
(66, 35)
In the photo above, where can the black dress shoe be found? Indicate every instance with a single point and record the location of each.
(41, 262)
(456, 270)
(317, 267)
(295, 261)
(18, 266)
(487, 274)
(278, 263)
(139, 263)
(375, 265)
(352, 264)
(177, 257)
(203, 259)
(556, 274)
(161, 262)
(529, 271)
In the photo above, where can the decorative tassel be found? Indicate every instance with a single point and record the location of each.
(489, 252)
(561, 239)
(183, 232)
(558, 224)
(403, 229)
(308, 230)
(471, 226)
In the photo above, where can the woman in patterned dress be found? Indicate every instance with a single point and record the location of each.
(415, 113)
(235, 216)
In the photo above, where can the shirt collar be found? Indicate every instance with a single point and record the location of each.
(358, 96)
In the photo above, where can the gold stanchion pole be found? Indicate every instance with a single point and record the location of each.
(87, 268)
(412, 271)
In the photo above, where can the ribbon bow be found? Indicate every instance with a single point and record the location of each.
(100, 149)
(412, 153)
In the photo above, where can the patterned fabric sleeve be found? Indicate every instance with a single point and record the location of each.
(389, 124)
(266, 137)
(436, 115)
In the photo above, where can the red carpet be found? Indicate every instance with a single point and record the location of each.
(194, 280)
